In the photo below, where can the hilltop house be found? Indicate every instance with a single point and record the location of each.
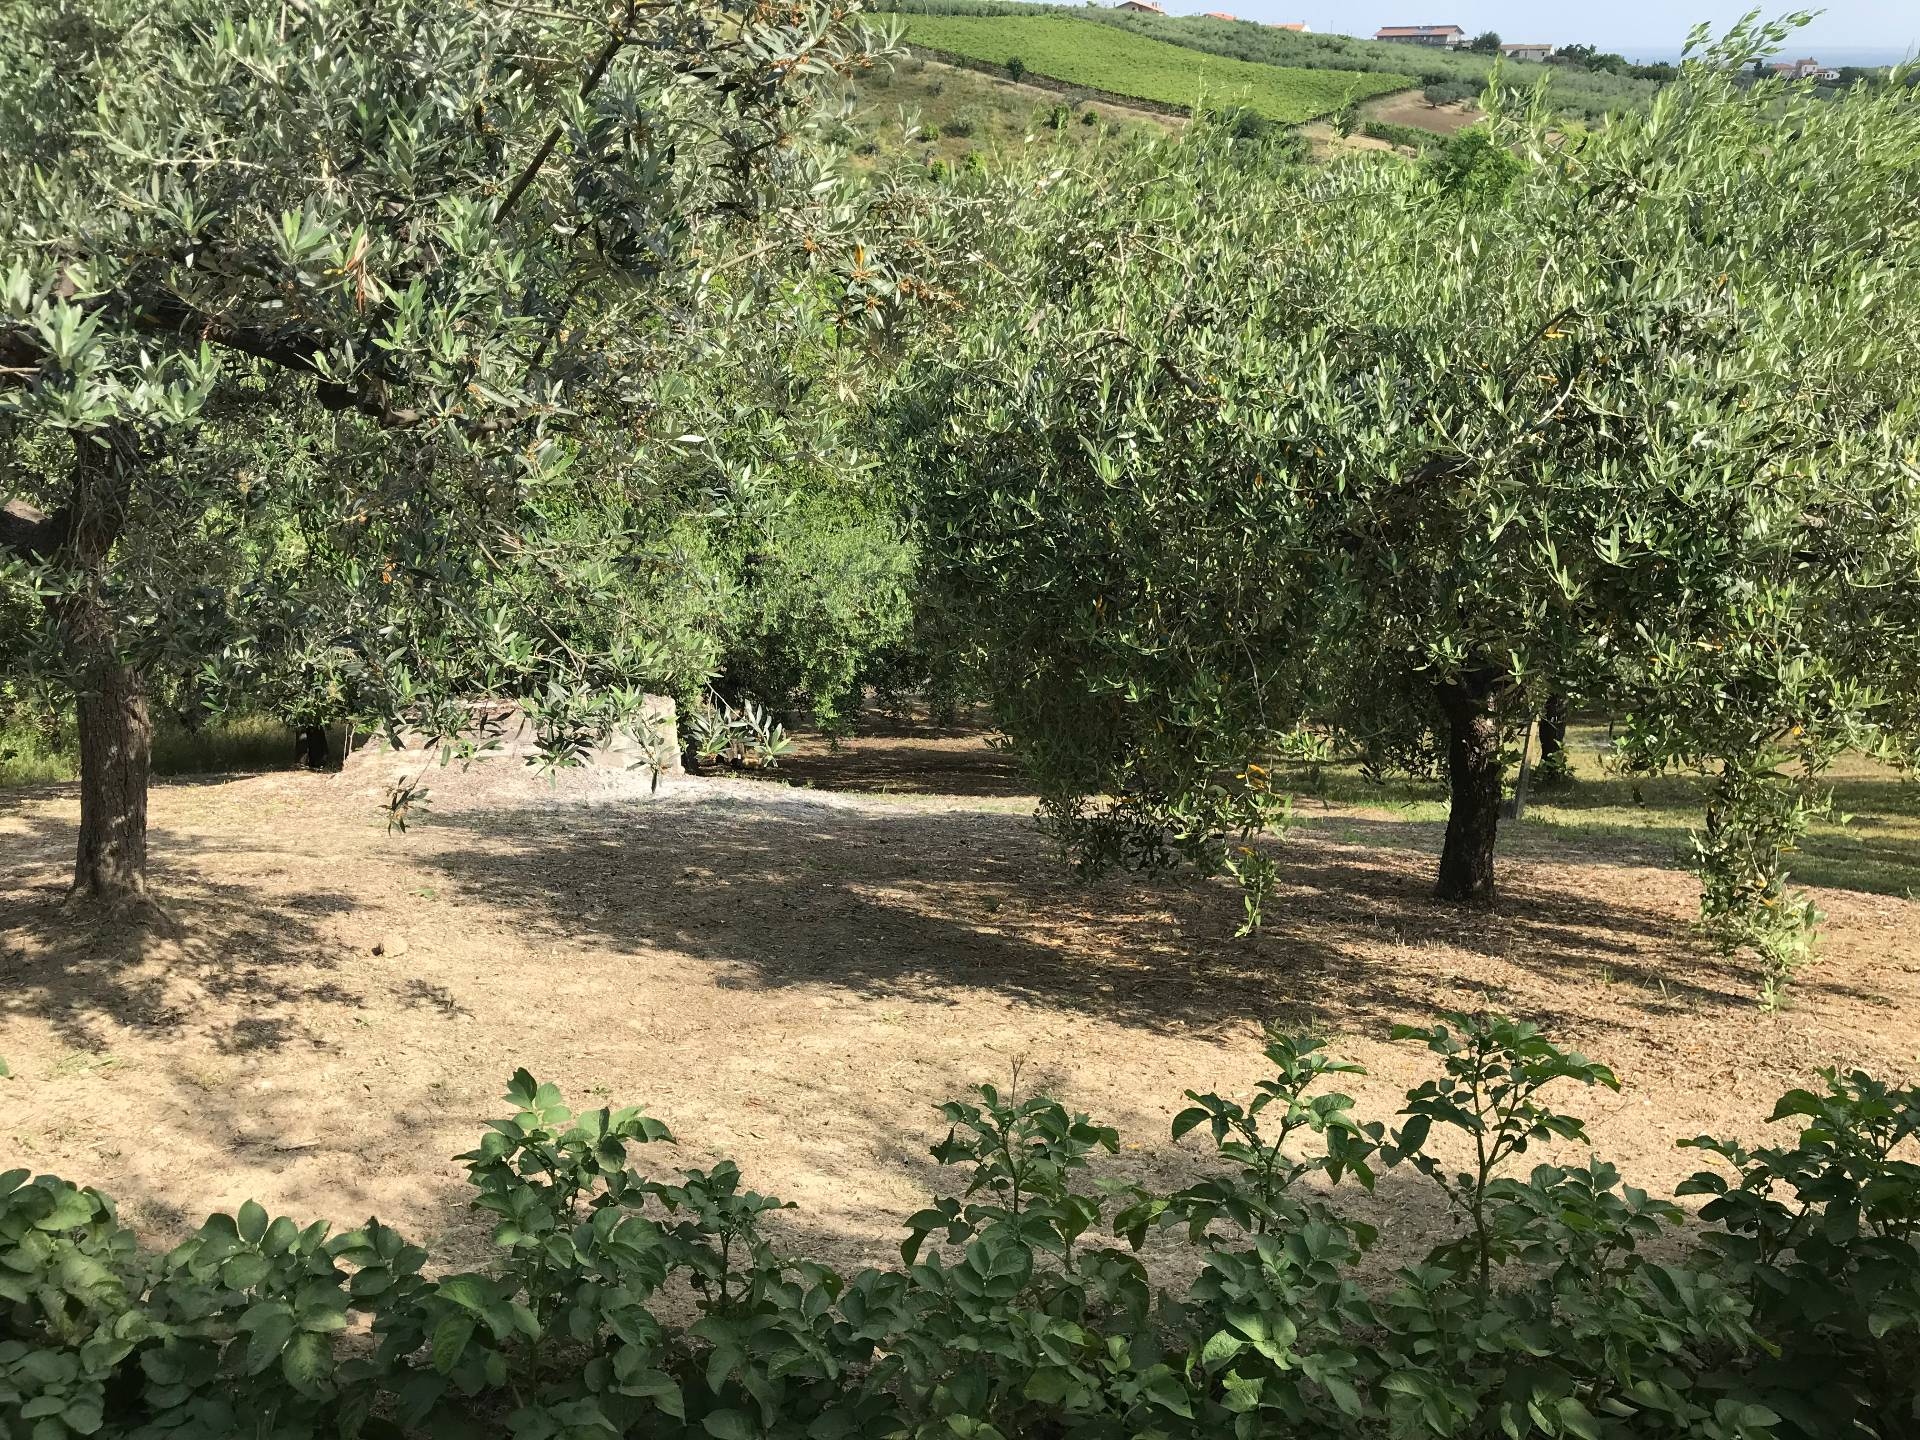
(1299, 27)
(1527, 50)
(1806, 70)
(1217, 15)
(1444, 36)
(1144, 7)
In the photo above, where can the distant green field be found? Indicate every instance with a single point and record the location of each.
(1105, 57)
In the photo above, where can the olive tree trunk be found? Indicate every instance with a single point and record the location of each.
(1553, 733)
(110, 698)
(1474, 771)
(116, 743)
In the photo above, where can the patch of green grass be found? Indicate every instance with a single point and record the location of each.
(31, 755)
(1877, 850)
(1106, 57)
(246, 742)
(922, 106)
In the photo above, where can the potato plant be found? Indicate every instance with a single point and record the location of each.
(630, 1299)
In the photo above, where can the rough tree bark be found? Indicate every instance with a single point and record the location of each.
(1553, 734)
(110, 700)
(312, 748)
(1474, 771)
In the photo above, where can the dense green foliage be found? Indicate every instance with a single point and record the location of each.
(1394, 450)
(360, 358)
(1405, 136)
(1075, 51)
(1563, 1302)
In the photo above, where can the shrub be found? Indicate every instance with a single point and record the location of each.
(1473, 166)
(1016, 67)
(626, 1303)
(1408, 136)
(1759, 813)
(1449, 92)
(1823, 1236)
(1089, 116)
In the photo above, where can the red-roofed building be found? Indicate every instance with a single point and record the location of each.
(1446, 36)
(1299, 27)
(1217, 15)
(1144, 7)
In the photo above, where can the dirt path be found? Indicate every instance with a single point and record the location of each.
(795, 977)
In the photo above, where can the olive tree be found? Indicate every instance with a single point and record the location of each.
(291, 284)
(1237, 456)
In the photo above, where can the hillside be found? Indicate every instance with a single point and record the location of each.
(1571, 91)
(1083, 52)
(944, 112)
(1583, 94)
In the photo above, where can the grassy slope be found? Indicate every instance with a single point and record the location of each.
(1106, 57)
(1877, 851)
(1575, 93)
(1570, 91)
(943, 112)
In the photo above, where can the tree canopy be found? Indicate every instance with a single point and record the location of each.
(1236, 462)
(333, 336)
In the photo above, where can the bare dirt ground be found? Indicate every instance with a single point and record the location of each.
(1407, 107)
(794, 975)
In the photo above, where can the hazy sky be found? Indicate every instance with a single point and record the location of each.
(1617, 25)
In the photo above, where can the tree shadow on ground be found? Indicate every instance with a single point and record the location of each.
(757, 889)
(899, 766)
(1876, 853)
(798, 890)
(155, 964)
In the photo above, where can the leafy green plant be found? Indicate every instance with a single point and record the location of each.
(745, 736)
(1023, 1153)
(1755, 821)
(1471, 166)
(1014, 1322)
(1274, 1312)
(1589, 1340)
(68, 1273)
(1824, 1234)
(1257, 1194)
(1547, 1315)
(1493, 1072)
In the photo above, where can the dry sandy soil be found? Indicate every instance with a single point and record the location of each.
(1406, 107)
(794, 975)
